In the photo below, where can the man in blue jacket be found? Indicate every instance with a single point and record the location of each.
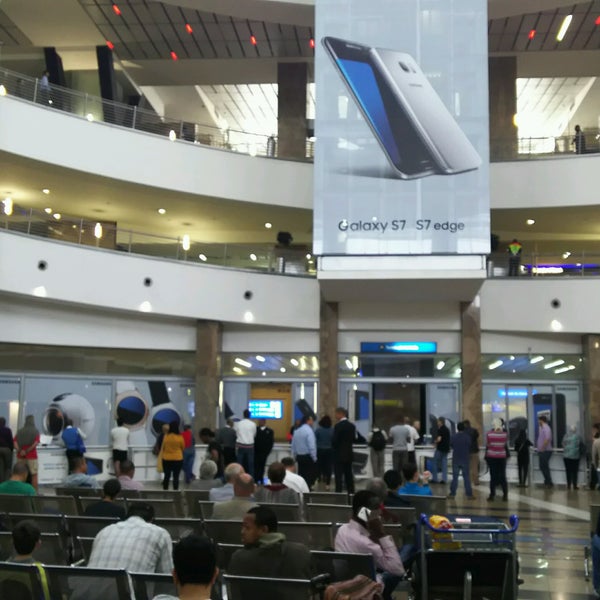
(460, 443)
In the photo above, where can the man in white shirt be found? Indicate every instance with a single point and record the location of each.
(246, 432)
(412, 440)
(119, 437)
(291, 479)
(399, 436)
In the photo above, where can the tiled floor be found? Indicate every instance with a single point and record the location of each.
(554, 529)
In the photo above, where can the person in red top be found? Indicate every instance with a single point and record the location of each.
(189, 453)
(26, 441)
(496, 455)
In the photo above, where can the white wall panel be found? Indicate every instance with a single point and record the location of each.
(526, 343)
(270, 340)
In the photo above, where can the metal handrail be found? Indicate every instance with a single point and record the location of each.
(265, 258)
(537, 264)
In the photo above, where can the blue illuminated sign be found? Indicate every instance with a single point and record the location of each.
(398, 347)
(514, 393)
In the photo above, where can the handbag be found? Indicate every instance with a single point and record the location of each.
(358, 588)
(159, 459)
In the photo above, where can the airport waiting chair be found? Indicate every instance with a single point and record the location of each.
(51, 551)
(129, 494)
(192, 497)
(179, 528)
(204, 509)
(58, 505)
(315, 536)
(79, 491)
(223, 532)
(85, 501)
(327, 513)
(429, 505)
(16, 503)
(46, 523)
(82, 549)
(148, 585)
(326, 498)
(84, 583)
(224, 554)
(285, 512)
(342, 565)
(245, 588)
(163, 509)
(175, 498)
(20, 582)
(87, 526)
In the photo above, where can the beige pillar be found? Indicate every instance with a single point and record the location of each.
(471, 363)
(328, 363)
(503, 106)
(208, 359)
(591, 382)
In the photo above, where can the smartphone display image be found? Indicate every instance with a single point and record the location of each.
(414, 128)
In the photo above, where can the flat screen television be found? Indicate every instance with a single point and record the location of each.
(265, 409)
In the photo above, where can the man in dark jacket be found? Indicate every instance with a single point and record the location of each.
(461, 447)
(344, 434)
(266, 553)
(442, 448)
(263, 444)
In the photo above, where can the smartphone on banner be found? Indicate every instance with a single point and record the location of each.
(414, 128)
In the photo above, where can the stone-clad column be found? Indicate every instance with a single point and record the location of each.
(291, 109)
(591, 382)
(471, 363)
(503, 106)
(328, 359)
(208, 359)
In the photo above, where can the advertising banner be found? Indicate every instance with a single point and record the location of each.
(401, 164)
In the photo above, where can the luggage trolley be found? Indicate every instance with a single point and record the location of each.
(473, 559)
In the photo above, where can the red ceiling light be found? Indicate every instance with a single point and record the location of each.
(253, 40)
(110, 45)
(116, 10)
(311, 43)
(597, 21)
(188, 28)
(531, 34)
(174, 55)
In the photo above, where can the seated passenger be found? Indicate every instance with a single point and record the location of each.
(266, 552)
(232, 470)
(126, 477)
(292, 479)
(364, 534)
(243, 499)
(276, 491)
(79, 476)
(17, 484)
(412, 485)
(107, 507)
(393, 482)
(26, 538)
(207, 481)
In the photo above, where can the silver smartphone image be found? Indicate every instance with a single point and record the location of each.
(414, 128)
(397, 135)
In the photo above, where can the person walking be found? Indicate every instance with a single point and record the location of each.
(7, 446)
(26, 442)
(460, 443)
(344, 434)
(496, 455)
(572, 445)
(473, 452)
(514, 258)
(399, 437)
(172, 455)
(544, 447)
(263, 445)
(376, 440)
(522, 445)
(304, 450)
(324, 435)
(189, 453)
(442, 448)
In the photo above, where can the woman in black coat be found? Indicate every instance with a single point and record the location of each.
(522, 445)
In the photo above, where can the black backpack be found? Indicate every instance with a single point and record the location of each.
(377, 441)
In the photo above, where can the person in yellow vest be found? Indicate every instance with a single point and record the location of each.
(514, 258)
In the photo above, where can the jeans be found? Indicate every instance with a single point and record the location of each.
(440, 463)
(596, 561)
(399, 459)
(188, 463)
(377, 462)
(571, 468)
(523, 468)
(545, 466)
(171, 467)
(245, 456)
(457, 467)
(325, 464)
(497, 475)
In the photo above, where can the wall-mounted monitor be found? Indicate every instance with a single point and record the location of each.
(265, 409)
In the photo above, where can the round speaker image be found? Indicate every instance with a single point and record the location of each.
(69, 406)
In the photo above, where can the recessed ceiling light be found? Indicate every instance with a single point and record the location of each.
(495, 365)
(57, 216)
(47, 210)
(295, 362)
(244, 363)
(556, 325)
(161, 211)
(536, 359)
(253, 257)
(530, 221)
(260, 358)
(566, 255)
(185, 242)
(45, 191)
(309, 256)
(563, 28)
(202, 257)
(268, 225)
(554, 363)
(282, 369)
(441, 364)
(237, 370)
(8, 206)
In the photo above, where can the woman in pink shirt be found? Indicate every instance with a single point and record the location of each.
(495, 456)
